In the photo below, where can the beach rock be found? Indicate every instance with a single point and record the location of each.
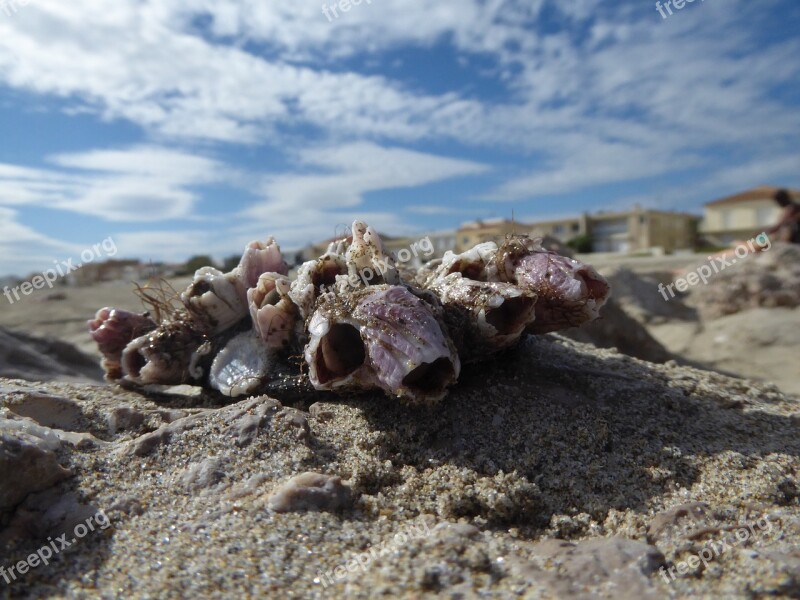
(616, 329)
(555, 470)
(28, 464)
(613, 567)
(310, 491)
(638, 295)
(767, 279)
(24, 356)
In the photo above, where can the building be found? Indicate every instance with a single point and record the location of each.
(493, 230)
(641, 230)
(741, 216)
(636, 230)
(563, 230)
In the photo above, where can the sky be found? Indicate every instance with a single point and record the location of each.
(183, 127)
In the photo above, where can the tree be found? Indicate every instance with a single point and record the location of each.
(230, 263)
(582, 244)
(197, 262)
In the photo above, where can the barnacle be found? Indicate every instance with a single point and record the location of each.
(357, 322)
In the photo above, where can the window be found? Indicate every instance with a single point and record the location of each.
(765, 216)
(576, 227)
(727, 219)
(558, 229)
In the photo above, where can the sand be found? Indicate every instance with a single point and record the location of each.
(558, 470)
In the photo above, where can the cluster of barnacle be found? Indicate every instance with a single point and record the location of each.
(234, 331)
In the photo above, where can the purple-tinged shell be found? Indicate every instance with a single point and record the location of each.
(259, 258)
(569, 292)
(381, 337)
(113, 329)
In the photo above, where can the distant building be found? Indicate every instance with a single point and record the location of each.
(741, 216)
(636, 230)
(492, 230)
(442, 241)
(109, 270)
(563, 230)
(641, 230)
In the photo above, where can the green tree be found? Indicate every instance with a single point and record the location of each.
(582, 244)
(197, 262)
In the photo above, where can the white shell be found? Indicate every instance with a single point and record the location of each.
(241, 366)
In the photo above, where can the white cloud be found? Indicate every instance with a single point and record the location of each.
(23, 250)
(136, 184)
(341, 176)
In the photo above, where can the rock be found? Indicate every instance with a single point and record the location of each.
(768, 279)
(639, 297)
(541, 475)
(248, 417)
(614, 567)
(310, 491)
(203, 475)
(49, 411)
(615, 329)
(27, 464)
(24, 356)
(147, 443)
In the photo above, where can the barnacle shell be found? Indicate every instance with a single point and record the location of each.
(367, 262)
(273, 312)
(258, 258)
(384, 337)
(316, 276)
(214, 300)
(570, 292)
(167, 355)
(483, 317)
(361, 322)
(241, 366)
(113, 329)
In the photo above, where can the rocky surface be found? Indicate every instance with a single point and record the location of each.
(617, 329)
(557, 470)
(768, 279)
(24, 356)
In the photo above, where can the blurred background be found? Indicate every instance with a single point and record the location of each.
(143, 139)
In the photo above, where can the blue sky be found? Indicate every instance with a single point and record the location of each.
(193, 126)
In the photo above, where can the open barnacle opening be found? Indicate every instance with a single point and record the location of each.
(340, 353)
(430, 378)
(511, 315)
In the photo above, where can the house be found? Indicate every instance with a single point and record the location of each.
(635, 230)
(741, 216)
(492, 230)
(639, 230)
(563, 230)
